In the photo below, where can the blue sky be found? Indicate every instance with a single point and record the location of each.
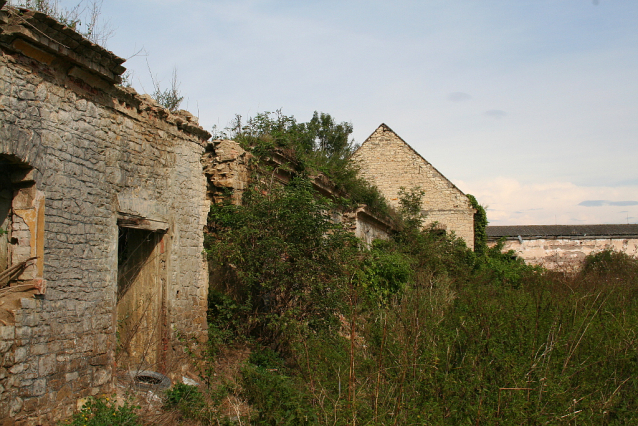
(530, 105)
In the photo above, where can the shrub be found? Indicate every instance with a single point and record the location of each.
(287, 254)
(609, 261)
(278, 398)
(104, 411)
(385, 271)
(187, 399)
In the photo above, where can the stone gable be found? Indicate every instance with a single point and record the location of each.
(390, 163)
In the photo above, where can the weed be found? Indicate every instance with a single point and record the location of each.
(187, 399)
(104, 411)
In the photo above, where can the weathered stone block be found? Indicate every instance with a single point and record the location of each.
(7, 332)
(47, 364)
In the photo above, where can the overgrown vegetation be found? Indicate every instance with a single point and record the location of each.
(417, 329)
(451, 339)
(320, 145)
(104, 411)
(299, 263)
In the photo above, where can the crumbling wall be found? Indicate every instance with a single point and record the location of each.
(365, 225)
(103, 158)
(226, 166)
(228, 170)
(390, 163)
(566, 254)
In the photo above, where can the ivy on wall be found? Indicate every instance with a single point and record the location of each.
(480, 225)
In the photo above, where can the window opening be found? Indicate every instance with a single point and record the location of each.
(21, 236)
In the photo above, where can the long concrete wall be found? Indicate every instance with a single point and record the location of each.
(567, 254)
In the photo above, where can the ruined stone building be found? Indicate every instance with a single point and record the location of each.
(390, 163)
(564, 247)
(228, 168)
(102, 207)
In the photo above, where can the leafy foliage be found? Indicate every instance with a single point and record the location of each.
(286, 254)
(480, 227)
(608, 261)
(410, 202)
(319, 145)
(505, 268)
(417, 329)
(385, 271)
(277, 397)
(104, 411)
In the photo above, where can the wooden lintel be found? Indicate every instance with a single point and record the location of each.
(138, 222)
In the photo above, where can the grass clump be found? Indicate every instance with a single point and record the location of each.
(104, 411)
(187, 399)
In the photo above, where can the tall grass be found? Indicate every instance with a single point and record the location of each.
(417, 330)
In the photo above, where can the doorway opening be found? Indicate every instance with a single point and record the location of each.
(141, 307)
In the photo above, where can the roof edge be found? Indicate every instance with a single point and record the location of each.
(385, 126)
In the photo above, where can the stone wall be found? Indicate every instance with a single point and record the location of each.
(104, 160)
(390, 163)
(566, 254)
(228, 167)
(367, 226)
(564, 247)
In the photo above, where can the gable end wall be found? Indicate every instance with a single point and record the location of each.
(390, 163)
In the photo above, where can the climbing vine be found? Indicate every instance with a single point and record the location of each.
(480, 227)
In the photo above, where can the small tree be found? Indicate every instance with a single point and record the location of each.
(410, 201)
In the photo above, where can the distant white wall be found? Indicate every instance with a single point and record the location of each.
(566, 254)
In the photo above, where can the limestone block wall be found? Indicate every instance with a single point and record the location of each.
(364, 224)
(458, 221)
(390, 163)
(104, 159)
(567, 254)
(226, 166)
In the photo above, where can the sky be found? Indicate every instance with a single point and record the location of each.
(529, 105)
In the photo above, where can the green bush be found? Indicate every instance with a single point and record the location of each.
(277, 398)
(385, 271)
(608, 261)
(287, 254)
(104, 411)
(187, 399)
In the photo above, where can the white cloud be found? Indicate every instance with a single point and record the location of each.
(511, 202)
